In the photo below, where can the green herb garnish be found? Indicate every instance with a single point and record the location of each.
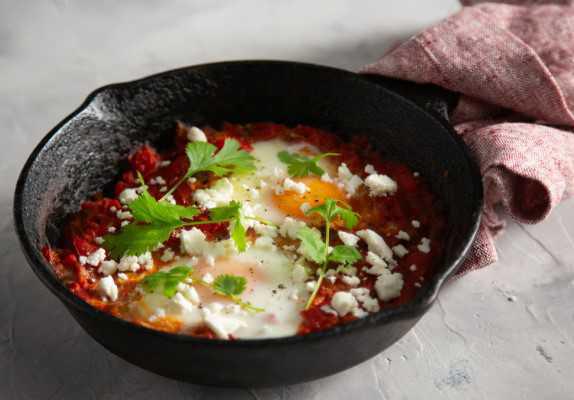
(231, 213)
(166, 281)
(202, 158)
(299, 165)
(317, 249)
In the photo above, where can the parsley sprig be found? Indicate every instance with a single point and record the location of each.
(318, 250)
(232, 213)
(299, 165)
(202, 158)
(226, 285)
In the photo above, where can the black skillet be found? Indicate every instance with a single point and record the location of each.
(82, 153)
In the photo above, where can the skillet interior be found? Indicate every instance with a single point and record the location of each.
(82, 154)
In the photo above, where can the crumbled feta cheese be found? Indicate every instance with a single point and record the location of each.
(113, 209)
(416, 174)
(129, 263)
(343, 303)
(350, 182)
(380, 185)
(290, 227)
(165, 163)
(294, 295)
(192, 241)
(305, 207)
(264, 242)
(209, 260)
(389, 285)
(378, 264)
(328, 310)
(194, 134)
(124, 214)
(376, 244)
(352, 281)
(400, 250)
(146, 260)
(417, 284)
(182, 302)
(124, 223)
(326, 178)
(207, 278)
(359, 312)
(111, 229)
(122, 276)
(167, 255)
(170, 199)
(415, 223)
(158, 180)
(298, 187)
(108, 267)
(310, 285)
(299, 273)
(96, 257)
(413, 268)
(99, 240)
(107, 287)
(82, 259)
(190, 293)
(348, 239)
(424, 245)
(402, 235)
(331, 278)
(369, 169)
(220, 194)
(128, 195)
(221, 325)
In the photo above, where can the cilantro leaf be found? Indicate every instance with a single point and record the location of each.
(232, 213)
(147, 209)
(229, 285)
(229, 159)
(135, 239)
(329, 210)
(312, 244)
(166, 281)
(344, 255)
(299, 165)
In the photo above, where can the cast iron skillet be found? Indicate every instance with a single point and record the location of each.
(82, 153)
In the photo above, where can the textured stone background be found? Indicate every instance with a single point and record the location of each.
(506, 332)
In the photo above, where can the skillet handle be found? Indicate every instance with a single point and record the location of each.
(437, 100)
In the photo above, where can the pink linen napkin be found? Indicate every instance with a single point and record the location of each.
(514, 66)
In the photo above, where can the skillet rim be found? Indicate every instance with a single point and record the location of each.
(413, 309)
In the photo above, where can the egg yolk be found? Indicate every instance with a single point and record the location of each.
(290, 202)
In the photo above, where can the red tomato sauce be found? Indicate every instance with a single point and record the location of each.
(386, 215)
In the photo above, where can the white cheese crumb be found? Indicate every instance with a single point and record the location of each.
(99, 240)
(348, 239)
(124, 214)
(424, 245)
(111, 229)
(343, 303)
(310, 285)
(378, 264)
(369, 169)
(265, 230)
(400, 250)
(210, 260)
(299, 273)
(328, 310)
(352, 281)
(298, 187)
(183, 303)
(122, 276)
(350, 182)
(167, 255)
(124, 223)
(194, 134)
(190, 293)
(304, 207)
(207, 278)
(192, 241)
(290, 226)
(380, 185)
(359, 312)
(331, 279)
(96, 257)
(158, 180)
(416, 174)
(376, 244)
(165, 163)
(128, 195)
(108, 267)
(402, 235)
(107, 287)
(413, 268)
(326, 178)
(219, 195)
(146, 260)
(222, 326)
(129, 263)
(389, 285)
(416, 284)
(113, 209)
(415, 223)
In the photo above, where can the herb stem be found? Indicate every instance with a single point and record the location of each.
(322, 268)
(174, 187)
